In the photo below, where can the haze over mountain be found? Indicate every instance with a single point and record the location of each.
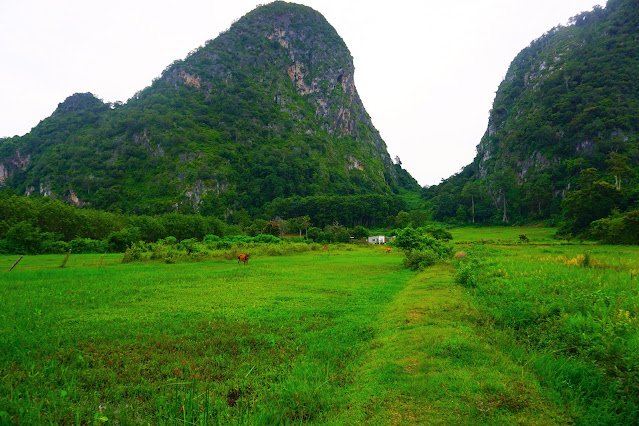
(569, 105)
(269, 109)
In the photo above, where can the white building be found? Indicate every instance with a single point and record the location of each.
(377, 239)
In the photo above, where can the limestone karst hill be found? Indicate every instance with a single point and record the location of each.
(569, 103)
(268, 109)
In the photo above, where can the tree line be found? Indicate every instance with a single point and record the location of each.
(47, 225)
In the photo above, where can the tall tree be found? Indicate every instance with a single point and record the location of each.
(471, 191)
(618, 167)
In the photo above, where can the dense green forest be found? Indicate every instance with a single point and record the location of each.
(561, 143)
(45, 225)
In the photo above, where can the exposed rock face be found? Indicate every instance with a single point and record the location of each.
(318, 64)
(354, 164)
(18, 162)
(195, 194)
(552, 102)
(73, 199)
(45, 189)
(4, 174)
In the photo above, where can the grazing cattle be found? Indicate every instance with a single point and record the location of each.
(243, 258)
(387, 250)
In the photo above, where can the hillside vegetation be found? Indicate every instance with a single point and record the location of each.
(561, 140)
(266, 111)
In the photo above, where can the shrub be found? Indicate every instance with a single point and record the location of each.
(168, 241)
(24, 238)
(133, 253)
(189, 245)
(360, 233)
(437, 233)
(313, 233)
(159, 251)
(211, 238)
(343, 236)
(119, 241)
(467, 275)
(54, 247)
(617, 229)
(408, 239)
(87, 245)
(421, 250)
(272, 228)
(266, 238)
(420, 259)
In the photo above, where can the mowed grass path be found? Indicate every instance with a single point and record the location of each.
(431, 363)
(335, 337)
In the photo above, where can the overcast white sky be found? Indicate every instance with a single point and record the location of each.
(427, 71)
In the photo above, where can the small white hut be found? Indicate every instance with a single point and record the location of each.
(377, 239)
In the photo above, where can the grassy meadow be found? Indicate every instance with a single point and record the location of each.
(536, 332)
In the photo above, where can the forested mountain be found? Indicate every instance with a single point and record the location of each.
(562, 133)
(266, 111)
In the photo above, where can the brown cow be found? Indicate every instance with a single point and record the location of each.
(387, 250)
(243, 258)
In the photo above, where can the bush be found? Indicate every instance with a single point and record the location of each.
(24, 238)
(617, 229)
(189, 245)
(54, 247)
(272, 228)
(466, 274)
(360, 233)
(437, 233)
(133, 253)
(266, 238)
(159, 251)
(168, 241)
(343, 236)
(408, 239)
(87, 245)
(313, 233)
(119, 241)
(421, 250)
(420, 259)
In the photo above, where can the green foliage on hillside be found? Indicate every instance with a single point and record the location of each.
(266, 110)
(569, 103)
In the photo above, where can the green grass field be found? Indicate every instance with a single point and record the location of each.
(532, 333)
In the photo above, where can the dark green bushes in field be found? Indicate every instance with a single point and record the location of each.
(617, 229)
(45, 225)
(212, 246)
(421, 248)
